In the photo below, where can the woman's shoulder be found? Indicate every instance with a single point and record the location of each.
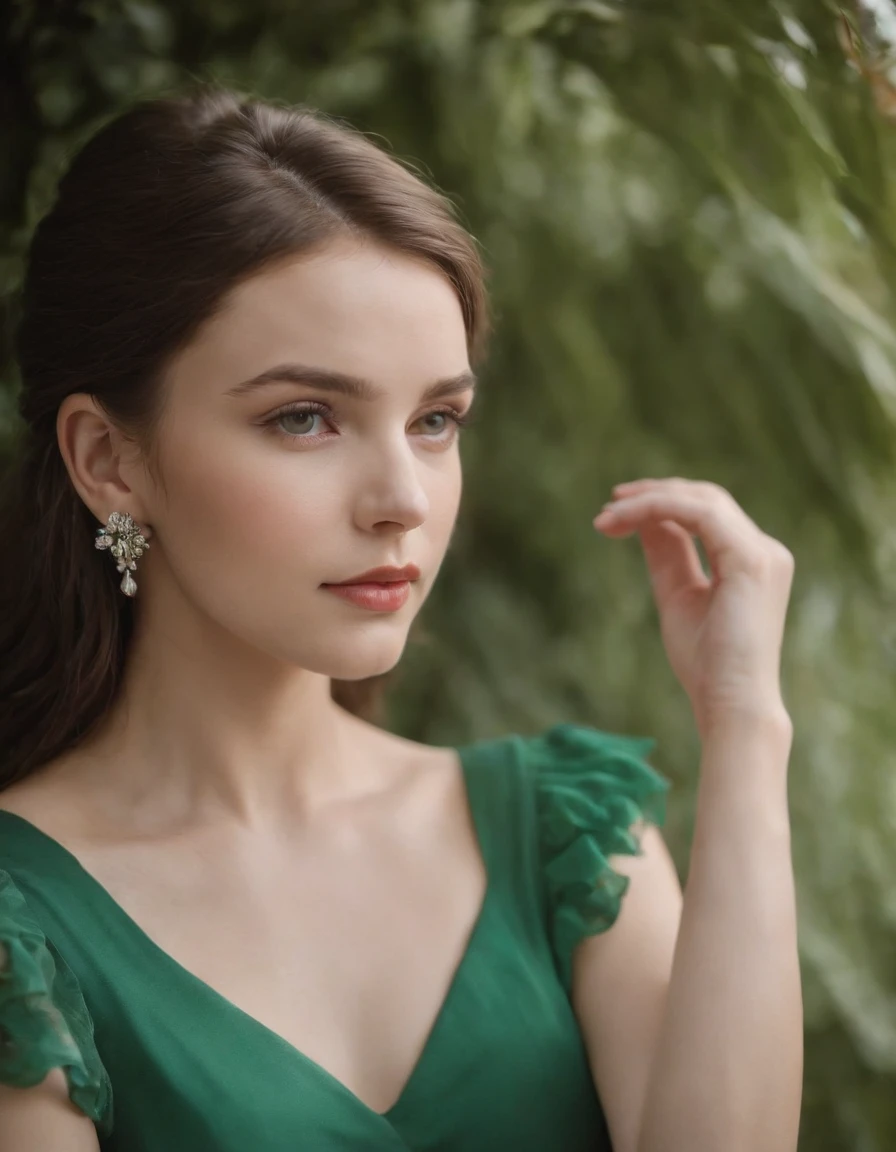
(29, 802)
(569, 762)
(45, 1025)
(559, 805)
(45, 798)
(560, 771)
(69, 801)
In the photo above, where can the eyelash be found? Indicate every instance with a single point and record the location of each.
(460, 419)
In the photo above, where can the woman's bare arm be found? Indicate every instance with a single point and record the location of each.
(695, 1028)
(44, 1117)
(621, 983)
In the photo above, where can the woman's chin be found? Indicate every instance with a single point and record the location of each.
(361, 662)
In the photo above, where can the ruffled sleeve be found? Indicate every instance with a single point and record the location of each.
(590, 788)
(44, 1021)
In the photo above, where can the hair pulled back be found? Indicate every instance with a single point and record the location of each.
(161, 214)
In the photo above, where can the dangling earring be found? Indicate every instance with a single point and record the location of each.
(127, 544)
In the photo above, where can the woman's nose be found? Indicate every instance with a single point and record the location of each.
(392, 490)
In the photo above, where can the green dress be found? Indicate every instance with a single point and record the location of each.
(162, 1063)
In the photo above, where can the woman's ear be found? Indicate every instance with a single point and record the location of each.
(101, 461)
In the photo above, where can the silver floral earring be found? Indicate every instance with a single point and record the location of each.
(125, 540)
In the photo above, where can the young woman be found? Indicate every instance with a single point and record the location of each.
(234, 911)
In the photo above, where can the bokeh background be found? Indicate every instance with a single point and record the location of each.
(688, 210)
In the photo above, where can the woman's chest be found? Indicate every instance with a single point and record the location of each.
(497, 1062)
(502, 1067)
(345, 947)
(359, 999)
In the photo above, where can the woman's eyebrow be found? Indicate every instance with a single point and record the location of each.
(353, 386)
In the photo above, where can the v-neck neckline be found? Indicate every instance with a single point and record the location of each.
(466, 754)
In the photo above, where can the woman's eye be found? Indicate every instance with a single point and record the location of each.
(304, 423)
(443, 416)
(298, 423)
(455, 421)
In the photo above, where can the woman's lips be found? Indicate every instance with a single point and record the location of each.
(374, 597)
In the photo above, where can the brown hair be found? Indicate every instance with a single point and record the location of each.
(161, 214)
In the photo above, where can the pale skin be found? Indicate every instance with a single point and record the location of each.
(226, 761)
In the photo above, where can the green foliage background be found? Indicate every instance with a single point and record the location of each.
(688, 208)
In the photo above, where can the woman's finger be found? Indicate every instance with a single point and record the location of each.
(673, 562)
(729, 537)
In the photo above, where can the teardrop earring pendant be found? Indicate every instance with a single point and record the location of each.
(126, 542)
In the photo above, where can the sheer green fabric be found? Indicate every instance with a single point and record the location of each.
(504, 1065)
(44, 1022)
(591, 787)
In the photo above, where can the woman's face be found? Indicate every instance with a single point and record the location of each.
(274, 488)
